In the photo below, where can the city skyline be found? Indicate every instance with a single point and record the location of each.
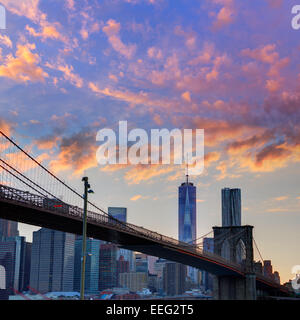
(69, 69)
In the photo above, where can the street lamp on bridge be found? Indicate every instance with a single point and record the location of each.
(87, 190)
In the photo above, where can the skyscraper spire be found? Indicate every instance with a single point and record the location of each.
(187, 169)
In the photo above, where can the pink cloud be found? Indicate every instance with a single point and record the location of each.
(24, 67)
(112, 30)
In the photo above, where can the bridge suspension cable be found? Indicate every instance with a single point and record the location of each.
(262, 260)
(16, 162)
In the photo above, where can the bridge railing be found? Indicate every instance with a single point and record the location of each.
(62, 207)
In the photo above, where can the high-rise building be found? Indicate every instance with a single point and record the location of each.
(25, 267)
(174, 278)
(187, 219)
(151, 264)
(91, 266)
(14, 258)
(187, 212)
(122, 267)
(52, 261)
(120, 213)
(8, 228)
(231, 207)
(108, 266)
(159, 267)
(141, 262)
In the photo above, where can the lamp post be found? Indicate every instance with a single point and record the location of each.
(83, 257)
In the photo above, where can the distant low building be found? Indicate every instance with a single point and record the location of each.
(134, 281)
(276, 277)
(268, 269)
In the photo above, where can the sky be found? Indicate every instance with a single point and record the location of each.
(70, 68)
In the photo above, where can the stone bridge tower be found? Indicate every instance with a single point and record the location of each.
(235, 244)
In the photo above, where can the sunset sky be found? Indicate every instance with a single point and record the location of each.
(69, 68)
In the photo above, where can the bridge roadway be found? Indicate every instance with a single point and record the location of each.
(25, 207)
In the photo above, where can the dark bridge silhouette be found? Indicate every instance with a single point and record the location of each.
(31, 194)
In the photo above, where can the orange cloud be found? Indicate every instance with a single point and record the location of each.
(257, 141)
(47, 32)
(142, 173)
(154, 53)
(112, 30)
(190, 37)
(211, 157)
(47, 143)
(21, 162)
(30, 9)
(24, 66)
(77, 153)
(135, 198)
(272, 153)
(205, 55)
(5, 40)
(217, 131)
(27, 8)
(282, 198)
(70, 76)
(68, 73)
(186, 96)
(266, 54)
(6, 127)
(226, 14)
(272, 85)
(279, 210)
(133, 98)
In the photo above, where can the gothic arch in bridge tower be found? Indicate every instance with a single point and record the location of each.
(235, 243)
(240, 251)
(225, 250)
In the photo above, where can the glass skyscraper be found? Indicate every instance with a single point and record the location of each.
(121, 214)
(187, 218)
(187, 212)
(91, 267)
(108, 266)
(231, 207)
(14, 258)
(118, 213)
(52, 261)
